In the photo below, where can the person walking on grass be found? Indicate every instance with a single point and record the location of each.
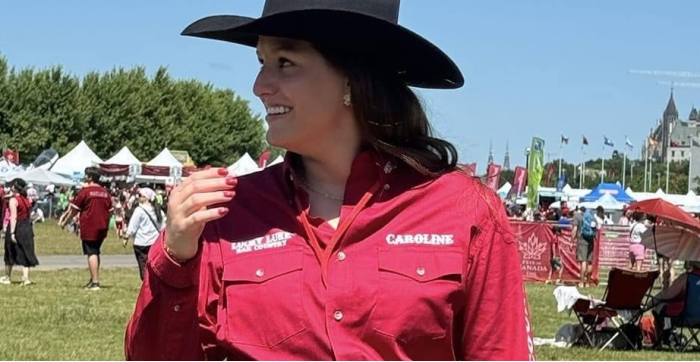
(144, 226)
(19, 235)
(94, 204)
(583, 236)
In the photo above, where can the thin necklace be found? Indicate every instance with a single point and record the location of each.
(306, 186)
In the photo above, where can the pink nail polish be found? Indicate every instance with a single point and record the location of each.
(223, 211)
(223, 172)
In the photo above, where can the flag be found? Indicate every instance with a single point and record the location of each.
(550, 173)
(562, 182)
(585, 141)
(11, 156)
(628, 143)
(519, 181)
(470, 169)
(564, 140)
(534, 172)
(653, 142)
(493, 175)
(608, 142)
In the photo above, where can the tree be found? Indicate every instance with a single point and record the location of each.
(125, 107)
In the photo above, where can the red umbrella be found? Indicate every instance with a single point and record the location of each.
(667, 213)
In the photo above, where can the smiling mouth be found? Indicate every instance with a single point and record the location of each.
(274, 111)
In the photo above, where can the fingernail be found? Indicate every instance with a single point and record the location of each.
(223, 172)
(229, 193)
(231, 181)
(223, 211)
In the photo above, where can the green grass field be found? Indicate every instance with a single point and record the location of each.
(56, 319)
(51, 240)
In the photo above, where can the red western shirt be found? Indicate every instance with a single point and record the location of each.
(429, 269)
(94, 204)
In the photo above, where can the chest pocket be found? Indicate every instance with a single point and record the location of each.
(417, 293)
(263, 298)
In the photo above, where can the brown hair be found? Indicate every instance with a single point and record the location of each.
(392, 118)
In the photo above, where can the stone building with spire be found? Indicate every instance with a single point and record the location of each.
(490, 161)
(672, 134)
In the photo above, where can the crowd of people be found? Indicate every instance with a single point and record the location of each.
(584, 225)
(135, 212)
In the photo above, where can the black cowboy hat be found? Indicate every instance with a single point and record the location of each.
(368, 28)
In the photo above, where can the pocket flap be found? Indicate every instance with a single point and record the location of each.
(422, 265)
(263, 267)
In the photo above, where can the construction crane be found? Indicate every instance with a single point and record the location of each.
(665, 73)
(678, 84)
(670, 73)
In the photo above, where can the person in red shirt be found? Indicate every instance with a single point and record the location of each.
(368, 242)
(19, 238)
(94, 204)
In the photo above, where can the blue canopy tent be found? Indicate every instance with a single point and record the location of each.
(614, 190)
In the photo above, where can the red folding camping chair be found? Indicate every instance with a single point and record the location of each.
(627, 290)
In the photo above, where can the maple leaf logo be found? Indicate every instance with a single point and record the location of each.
(532, 249)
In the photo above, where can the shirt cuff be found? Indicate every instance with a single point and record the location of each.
(168, 270)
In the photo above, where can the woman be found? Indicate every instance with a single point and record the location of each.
(144, 226)
(367, 243)
(19, 235)
(637, 250)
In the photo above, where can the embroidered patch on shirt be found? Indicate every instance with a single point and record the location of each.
(425, 239)
(270, 241)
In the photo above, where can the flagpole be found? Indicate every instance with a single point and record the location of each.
(690, 166)
(668, 158)
(583, 173)
(631, 170)
(575, 172)
(561, 144)
(580, 176)
(602, 166)
(646, 164)
(624, 165)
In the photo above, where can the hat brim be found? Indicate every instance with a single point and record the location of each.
(418, 62)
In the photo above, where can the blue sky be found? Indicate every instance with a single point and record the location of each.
(532, 68)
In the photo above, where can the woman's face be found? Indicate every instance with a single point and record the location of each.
(302, 94)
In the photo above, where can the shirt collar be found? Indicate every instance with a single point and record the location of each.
(367, 167)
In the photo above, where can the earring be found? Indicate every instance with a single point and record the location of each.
(347, 99)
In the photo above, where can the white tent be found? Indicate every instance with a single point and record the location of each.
(607, 201)
(8, 169)
(164, 158)
(76, 160)
(124, 157)
(40, 176)
(245, 165)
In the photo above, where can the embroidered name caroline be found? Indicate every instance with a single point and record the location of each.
(427, 239)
